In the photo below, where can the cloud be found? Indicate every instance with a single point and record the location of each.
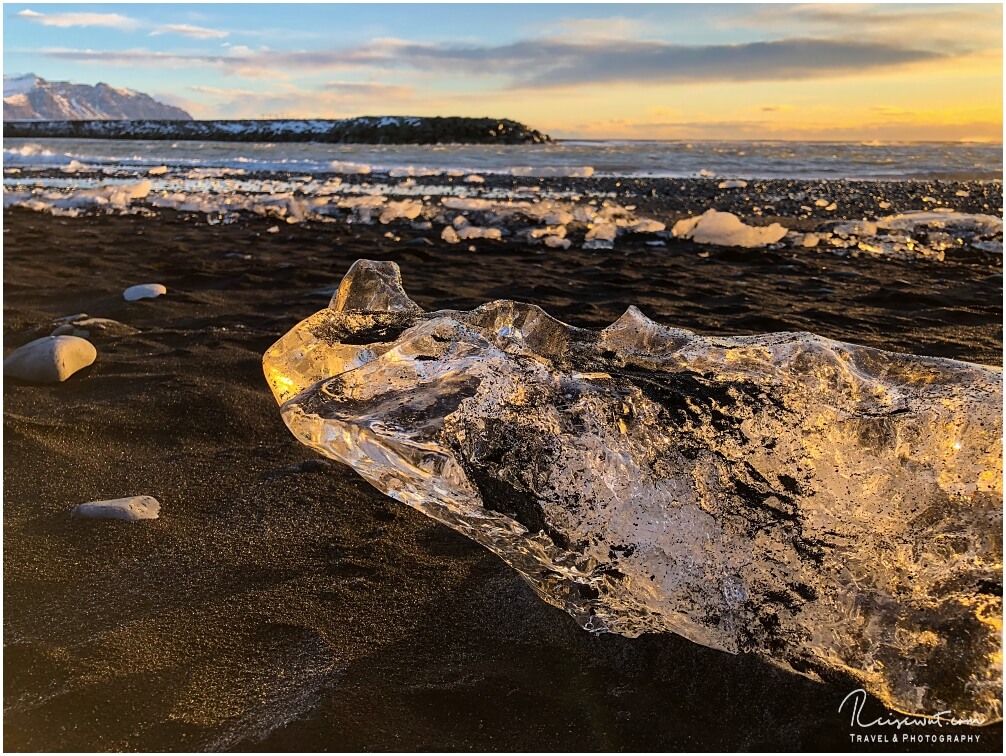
(66, 20)
(551, 63)
(117, 21)
(563, 63)
(368, 89)
(188, 30)
(222, 92)
(957, 27)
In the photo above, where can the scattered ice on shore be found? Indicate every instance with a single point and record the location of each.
(908, 236)
(832, 508)
(726, 230)
(585, 171)
(50, 359)
(130, 508)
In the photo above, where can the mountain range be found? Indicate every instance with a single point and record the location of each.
(32, 98)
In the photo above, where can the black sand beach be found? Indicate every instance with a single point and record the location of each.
(280, 603)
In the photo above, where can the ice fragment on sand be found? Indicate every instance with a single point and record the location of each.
(130, 508)
(832, 508)
(159, 170)
(144, 291)
(50, 359)
(733, 184)
(340, 166)
(726, 230)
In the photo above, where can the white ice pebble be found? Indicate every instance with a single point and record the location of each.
(822, 203)
(144, 291)
(603, 232)
(159, 170)
(340, 166)
(733, 184)
(131, 508)
(449, 235)
(402, 210)
(272, 230)
(73, 166)
(557, 242)
(478, 232)
(364, 208)
(727, 230)
(465, 203)
(962, 193)
(810, 240)
(646, 226)
(51, 359)
(474, 179)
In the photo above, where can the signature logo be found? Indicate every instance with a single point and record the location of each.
(854, 703)
(939, 719)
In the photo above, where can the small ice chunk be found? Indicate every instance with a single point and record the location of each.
(144, 291)
(474, 179)
(602, 232)
(478, 232)
(51, 359)
(130, 508)
(883, 205)
(159, 170)
(810, 240)
(402, 210)
(557, 242)
(822, 203)
(272, 230)
(962, 193)
(646, 226)
(449, 235)
(733, 184)
(727, 230)
(341, 166)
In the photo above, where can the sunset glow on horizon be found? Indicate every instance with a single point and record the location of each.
(712, 71)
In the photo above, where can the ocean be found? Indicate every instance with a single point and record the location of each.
(657, 159)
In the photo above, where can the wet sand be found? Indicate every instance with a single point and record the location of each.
(280, 603)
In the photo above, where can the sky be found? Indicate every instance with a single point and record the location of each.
(887, 72)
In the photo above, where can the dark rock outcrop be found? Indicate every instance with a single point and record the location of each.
(363, 130)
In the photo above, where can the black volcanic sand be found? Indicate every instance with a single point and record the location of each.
(280, 603)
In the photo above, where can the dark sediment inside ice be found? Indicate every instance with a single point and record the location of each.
(284, 599)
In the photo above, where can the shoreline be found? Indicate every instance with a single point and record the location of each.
(280, 603)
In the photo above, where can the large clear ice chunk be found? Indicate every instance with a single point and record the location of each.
(833, 508)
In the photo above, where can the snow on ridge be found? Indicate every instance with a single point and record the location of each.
(18, 85)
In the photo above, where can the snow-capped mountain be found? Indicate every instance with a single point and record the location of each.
(32, 98)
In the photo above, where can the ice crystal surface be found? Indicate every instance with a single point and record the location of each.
(832, 508)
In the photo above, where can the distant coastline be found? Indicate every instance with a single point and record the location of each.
(363, 130)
